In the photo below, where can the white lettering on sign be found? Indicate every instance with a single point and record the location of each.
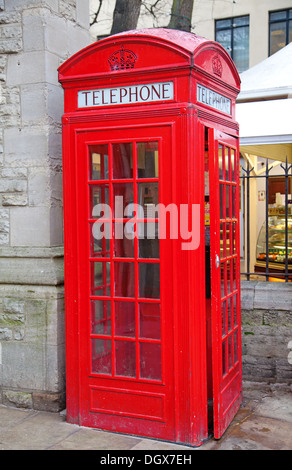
(213, 99)
(126, 95)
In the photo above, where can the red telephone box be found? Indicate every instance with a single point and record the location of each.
(151, 214)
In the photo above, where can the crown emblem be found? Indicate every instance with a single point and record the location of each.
(217, 66)
(122, 59)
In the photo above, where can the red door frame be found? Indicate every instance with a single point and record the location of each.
(160, 396)
(227, 379)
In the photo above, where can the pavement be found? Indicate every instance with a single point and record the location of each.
(264, 422)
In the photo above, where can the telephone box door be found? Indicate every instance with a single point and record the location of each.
(225, 278)
(125, 275)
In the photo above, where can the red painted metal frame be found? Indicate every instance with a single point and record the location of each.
(227, 380)
(179, 127)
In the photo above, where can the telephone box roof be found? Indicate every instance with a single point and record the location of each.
(158, 48)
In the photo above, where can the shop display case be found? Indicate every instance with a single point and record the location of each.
(276, 243)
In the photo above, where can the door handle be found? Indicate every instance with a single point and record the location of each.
(217, 261)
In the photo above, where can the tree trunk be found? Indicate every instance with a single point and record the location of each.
(126, 15)
(181, 15)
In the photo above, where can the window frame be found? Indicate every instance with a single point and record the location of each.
(285, 21)
(232, 28)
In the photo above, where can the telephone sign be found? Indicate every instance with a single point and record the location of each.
(145, 93)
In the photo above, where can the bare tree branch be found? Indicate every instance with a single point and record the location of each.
(151, 8)
(94, 20)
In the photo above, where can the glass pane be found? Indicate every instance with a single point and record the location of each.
(148, 240)
(240, 21)
(101, 356)
(235, 347)
(226, 164)
(99, 201)
(229, 276)
(278, 15)
(149, 320)
(228, 201)
(290, 32)
(234, 233)
(277, 37)
(224, 38)
(100, 239)
(147, 159)
(222, 240)
(148, 198)
(222, 201)
(229, 311)
(150, 361)
(228, 239)
(124, 239)
(223, 23)
(124, 279)
(234, 201)
(224, 357)
(220, 161)
(233, 165)
(230, 351)
(224, 317)
(240, 53)
(100, 278)
(149, 280)
(123, 160)
(123, 200)
(235, 273)
(100, 317)
(223, 280)
(235, 319)
(98, 162)
(125, 358)
(125, 319)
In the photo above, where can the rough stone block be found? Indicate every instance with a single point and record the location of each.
(19, 173)
(18, 399)
(4, 226)
(12, 186)
(7, 46)
(52, 402)
(14, 200)
(13, 306)
(5, 334)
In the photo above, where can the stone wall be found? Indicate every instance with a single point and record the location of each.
(36, 36)
(267, 332)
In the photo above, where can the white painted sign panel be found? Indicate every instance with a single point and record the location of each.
(144, 93)
(213, 99)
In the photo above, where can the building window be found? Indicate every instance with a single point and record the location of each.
(233, 35)
(280, 30)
